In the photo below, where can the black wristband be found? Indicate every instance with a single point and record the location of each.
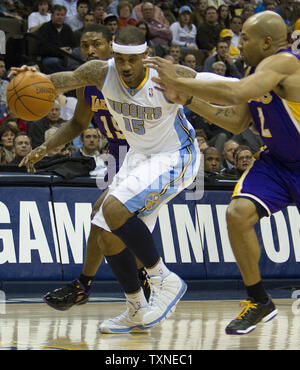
(188, 102)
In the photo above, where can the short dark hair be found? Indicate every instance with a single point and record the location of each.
(240, 149)
(98, 28)
(130, 35)
(82, 2)
(58, 7)
(21, 133)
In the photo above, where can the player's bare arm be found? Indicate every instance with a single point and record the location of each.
(274, 72)
(90, 73)
(65, 134)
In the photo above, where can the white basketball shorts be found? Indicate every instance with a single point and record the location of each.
(145, 182)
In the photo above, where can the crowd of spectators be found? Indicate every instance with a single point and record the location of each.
(201, 34)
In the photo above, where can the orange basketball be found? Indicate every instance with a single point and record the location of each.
(30, 95)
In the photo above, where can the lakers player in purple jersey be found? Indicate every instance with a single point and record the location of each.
(269, 96)
(95, 43)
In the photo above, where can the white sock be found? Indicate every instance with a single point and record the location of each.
(160, 269)
(138, 298)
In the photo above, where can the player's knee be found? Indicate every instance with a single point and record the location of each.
(115, 213)
(241, 214)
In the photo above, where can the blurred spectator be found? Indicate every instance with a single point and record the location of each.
(40, 16)
(143, 25)
(216, 3)
(226, 35)
(70, 5)
(3, 88)
(208, 32)
(7, 135)
(170, 58)
(111, 22)
(158, 13)
(59, 149)
(76, 21)
(290, 10)
(10, 117)
(189, 60)
(243, 158)
(124, 12)
(229, 149)
(88, 19)
(36, 129)
(175, 52)
(91, 143)
(99, 12)
(219, 68)
(212, 161)
(22, 146)
(57, 40)
(224, 16)
(184, 31)
(223, 56)
(199, 12)
(251, 138)
(202, 139)
(159, 33)
(236, 25)
(247, 11)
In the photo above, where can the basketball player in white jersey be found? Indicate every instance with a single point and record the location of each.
(163, 160)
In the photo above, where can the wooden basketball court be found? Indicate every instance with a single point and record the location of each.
(196, 325)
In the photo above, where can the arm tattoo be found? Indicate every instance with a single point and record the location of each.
(90, 73)
(186, 72)
(226, 112)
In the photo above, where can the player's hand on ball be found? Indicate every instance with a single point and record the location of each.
(16, 70)
(33, 157)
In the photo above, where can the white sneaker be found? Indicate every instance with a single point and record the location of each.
(129, 321)
(165, 294)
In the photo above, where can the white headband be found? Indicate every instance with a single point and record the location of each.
(129, 49)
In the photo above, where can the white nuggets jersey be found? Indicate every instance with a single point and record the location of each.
(149, 122)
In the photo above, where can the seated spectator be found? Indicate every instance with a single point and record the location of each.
(36, 129)
(59, 149)
(184, 31)
(222, 54)
(216, 3)
(229, 149)
(247, 11)
(226, 35)
(91, 143)
(236, 24)
(76, 21)
(22, 147)
(175, 52)
(143, 26)
(17, 122)
(158, 13)
(7, 136)
(209, 31)
(189, 60)
(243, 158)
(159, 33)
(3, 88)
(111, 22)
(124, 12)
(70, 6)
(56, 41)
(224, 16)
(202, 139)
(290, 10)
(212, 161)
(40, 16)
(219, 68)
(199, 12)
(99, 12)
(88, 19)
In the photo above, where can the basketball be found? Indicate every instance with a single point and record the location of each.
(30, 95)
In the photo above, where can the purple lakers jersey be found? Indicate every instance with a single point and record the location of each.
(105, 122)
(278, 122)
